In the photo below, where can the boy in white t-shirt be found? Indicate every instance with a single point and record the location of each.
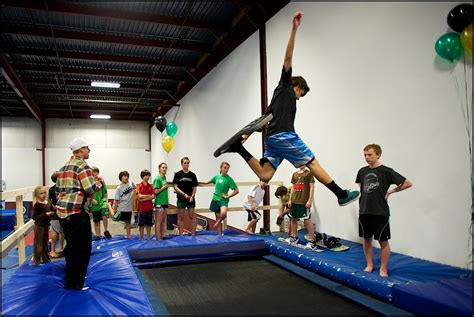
(254, 198)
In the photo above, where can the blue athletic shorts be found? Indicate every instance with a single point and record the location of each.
(289, 146)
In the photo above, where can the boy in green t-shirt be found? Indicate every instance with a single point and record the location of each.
(98, 206)
(220, 198)
(161, 201)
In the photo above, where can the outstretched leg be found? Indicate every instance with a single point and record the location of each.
(344, 197)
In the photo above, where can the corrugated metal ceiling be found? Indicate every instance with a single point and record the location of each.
(157, 50)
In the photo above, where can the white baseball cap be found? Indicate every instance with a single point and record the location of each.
(78, 143)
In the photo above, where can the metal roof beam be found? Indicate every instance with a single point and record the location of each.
(15, 82)
(60, 6)
(97, 57)
(89, 71)
(157, 85)
(103, 93)
(103, 37)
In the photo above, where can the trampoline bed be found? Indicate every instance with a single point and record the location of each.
(243, 287)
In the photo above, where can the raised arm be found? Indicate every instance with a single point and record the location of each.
(291, 42)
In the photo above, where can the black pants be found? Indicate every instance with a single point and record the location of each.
(77, 232)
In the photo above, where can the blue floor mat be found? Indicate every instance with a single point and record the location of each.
(347, 268)
(11, 259)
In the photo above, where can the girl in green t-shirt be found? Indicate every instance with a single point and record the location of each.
(220, 198)
(161, 201)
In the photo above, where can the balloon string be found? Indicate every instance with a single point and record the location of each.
(461, 99)
(468, 111)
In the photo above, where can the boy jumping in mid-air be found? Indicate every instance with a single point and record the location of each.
(282, 142)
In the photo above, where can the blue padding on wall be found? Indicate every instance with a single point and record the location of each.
(347, 267)
(8, 219)
(114, 289)
(442, 298)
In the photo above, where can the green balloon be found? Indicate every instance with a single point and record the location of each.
(449, 47)
(171, 128)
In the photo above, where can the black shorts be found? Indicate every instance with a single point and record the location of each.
(374, 225)
(125, 216)
(253, 215)
(145, 218)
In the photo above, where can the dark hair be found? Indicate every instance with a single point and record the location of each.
(54, 176)
(184, 158)
(122, 174)
(281, 191)
(144, 173)
(301, 83)
(159, 166)
(95, 169)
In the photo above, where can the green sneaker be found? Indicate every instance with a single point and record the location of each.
(351, 196)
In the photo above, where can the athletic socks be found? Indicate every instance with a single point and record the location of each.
(239, 148)
(338, 191)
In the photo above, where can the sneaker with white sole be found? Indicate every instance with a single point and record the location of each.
(311, 245)
(351, 197)
(291, 240)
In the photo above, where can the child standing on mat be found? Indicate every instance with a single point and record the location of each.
(161, 201)
(220, 198)
(56, 229)
(123, 202)
(301, 200)
(282, 142)
(185, 184)
(98, 206)
(146, 195)
(375, 180)
(254, 198)
(42, 213)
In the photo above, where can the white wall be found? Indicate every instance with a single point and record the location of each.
(115, 146)
(374, 78)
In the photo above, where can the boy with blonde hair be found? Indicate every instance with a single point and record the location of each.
(374, 212)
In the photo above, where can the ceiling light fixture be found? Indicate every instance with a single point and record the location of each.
(104, 84)
(100, 116)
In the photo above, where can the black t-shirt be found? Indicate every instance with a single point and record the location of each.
(283, 106)
(374, 184)
(185, 182)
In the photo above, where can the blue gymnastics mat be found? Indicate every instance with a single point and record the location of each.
(114, 288)
(406, 273)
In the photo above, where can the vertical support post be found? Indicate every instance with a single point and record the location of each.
(264, 106)
(19, 223)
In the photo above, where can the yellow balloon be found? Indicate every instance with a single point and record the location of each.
(466, 39)
(167, 142)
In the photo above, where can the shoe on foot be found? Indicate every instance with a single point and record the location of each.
(97, 238)
(351, 196)
(291, 240)
(107, 234)
(311, 245)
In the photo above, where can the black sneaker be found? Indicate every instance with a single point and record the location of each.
(96, 238)
(107, 234)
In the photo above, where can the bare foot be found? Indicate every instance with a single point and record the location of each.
(53, 254)
(249, 231)
(383, 273)
(368, 269)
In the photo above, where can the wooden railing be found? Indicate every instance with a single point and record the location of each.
(21, 229)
